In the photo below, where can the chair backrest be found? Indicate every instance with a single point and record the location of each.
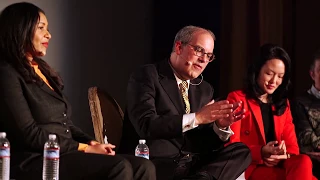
(107, 116)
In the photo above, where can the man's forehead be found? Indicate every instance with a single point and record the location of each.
(204, 40)
(202, 35)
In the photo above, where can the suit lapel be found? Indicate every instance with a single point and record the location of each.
(56, 92)
(256, 111)
(53, 93)
(169, 84)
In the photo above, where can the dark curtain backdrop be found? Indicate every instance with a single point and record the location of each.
(247, 24)
(241, 27)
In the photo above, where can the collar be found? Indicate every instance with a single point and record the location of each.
(314, 91)
(34, 64)
(180, 81)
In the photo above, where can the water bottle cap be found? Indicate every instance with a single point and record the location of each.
(3, 134)
(142, 141)
(52, 136)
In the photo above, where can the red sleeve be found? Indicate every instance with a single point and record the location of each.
(236, 127)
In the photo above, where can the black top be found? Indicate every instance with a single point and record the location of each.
(268, 123)
(30, 112)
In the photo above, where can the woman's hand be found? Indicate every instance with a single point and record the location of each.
(94, 143)
(272, 154)
(270, 162)
(284, 155)
(270, 149)
(106, 149)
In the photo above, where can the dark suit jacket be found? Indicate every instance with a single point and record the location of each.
(306, 111)
(30, 112)
(250, 130)
(155, 109)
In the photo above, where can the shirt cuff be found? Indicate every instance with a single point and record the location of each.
(82, 147)
(223, 134)
(188, 122)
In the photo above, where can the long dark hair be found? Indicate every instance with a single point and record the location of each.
(18, 23)
(252, 89)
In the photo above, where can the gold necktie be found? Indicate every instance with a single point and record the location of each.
(183, 88)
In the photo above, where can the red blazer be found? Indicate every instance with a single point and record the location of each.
(250, 130)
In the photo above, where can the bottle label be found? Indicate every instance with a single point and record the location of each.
(51, 153)
(144, 155)
(4, 152)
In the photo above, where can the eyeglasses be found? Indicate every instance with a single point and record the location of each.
(200, 52)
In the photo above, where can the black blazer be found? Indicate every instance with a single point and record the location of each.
(30, 112)
(155, 109)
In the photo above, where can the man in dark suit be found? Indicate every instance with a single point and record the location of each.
(173, 110)
(305, 112)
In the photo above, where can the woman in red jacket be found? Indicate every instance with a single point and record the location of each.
(267, 127)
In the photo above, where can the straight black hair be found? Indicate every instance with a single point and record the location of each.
(18, 23)
(252, 89)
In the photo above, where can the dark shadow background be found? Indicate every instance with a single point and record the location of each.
(99, 42)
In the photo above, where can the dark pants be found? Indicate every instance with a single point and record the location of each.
(225, 164)
(84, 166)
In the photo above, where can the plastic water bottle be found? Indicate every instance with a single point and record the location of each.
(4, 157)
(142, 149)
(51, 155)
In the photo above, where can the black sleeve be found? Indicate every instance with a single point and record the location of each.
(17, 118)
(307, 138)
(79, 135)
(141, 108)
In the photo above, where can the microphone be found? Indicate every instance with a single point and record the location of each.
(189, 63)
(199, 82)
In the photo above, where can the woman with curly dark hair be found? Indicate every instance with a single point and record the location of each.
(32, 106)
(267, 127)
